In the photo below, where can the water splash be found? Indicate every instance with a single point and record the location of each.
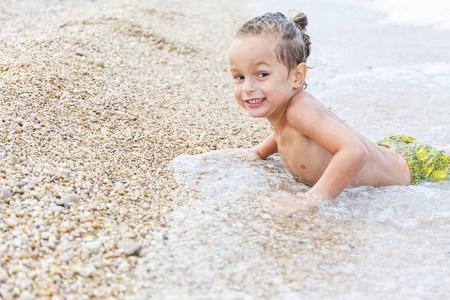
(223, 244)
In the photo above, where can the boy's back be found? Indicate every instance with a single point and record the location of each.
(312, 136)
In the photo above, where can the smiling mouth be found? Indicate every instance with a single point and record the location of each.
(255, 101)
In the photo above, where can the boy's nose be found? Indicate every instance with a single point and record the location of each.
(249, 86)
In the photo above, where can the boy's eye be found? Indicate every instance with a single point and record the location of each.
(238, 77)
(263, 74)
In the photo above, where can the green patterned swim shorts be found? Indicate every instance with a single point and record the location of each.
(425, 162)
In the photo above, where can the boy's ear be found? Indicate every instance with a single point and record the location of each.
(299, 75)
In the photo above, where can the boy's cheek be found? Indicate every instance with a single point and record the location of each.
(240, 102)
(237, 95)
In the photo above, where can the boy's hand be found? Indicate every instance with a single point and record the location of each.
(287, 204)
(246, 154)
(253, 156)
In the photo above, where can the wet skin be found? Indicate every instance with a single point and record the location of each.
(315, 145)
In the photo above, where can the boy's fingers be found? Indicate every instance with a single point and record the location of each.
(253, 156)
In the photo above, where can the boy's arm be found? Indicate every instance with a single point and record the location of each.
(342, 169)
(349, 153)
(266, 147)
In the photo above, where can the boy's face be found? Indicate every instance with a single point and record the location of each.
(262, 85)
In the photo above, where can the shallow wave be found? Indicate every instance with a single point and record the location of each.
(384, 101)
(371, 236)
(416, 12)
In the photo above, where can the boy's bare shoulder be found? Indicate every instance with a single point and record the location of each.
(304, 110)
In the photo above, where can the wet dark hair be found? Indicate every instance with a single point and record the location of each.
(293, 44)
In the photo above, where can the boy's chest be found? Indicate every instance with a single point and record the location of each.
(302, 157)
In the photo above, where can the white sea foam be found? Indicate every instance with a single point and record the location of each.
(415, 12)
(384, 101)
(406, 12)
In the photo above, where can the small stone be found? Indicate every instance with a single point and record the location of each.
(113, 254)
(71, 198)
(57, 208)
(99, 62)
(20, 184)
(5, 194)
(266, 216)
(123, 267)
(93, 247)
(76, 234)
(5, 294)
(24, 254)
(3, 275)
(11, 222)
(26, 196)
(66, 256)
(112, 126)
(45, 235)
(87, 270)
(51, 245)
(27, 295)
(41, 193)
(76, 269)
(130, 248)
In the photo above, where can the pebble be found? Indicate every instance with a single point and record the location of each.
(5, 194)
(80, 53)
(93, 247)
(45, 235)
(3, 275)
(71, 198)
(124, 267)
(41, 193)
(11, 222)
(24, 254)
(266, 216)
(87, 270)
(93, 206)
(130, 248)
(99, 62)
(57, 208)
(27, 295)
(66, 256)
(6, 295)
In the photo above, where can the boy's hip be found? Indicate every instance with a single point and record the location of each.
(427, 163)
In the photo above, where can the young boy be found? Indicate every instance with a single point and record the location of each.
(268, 65)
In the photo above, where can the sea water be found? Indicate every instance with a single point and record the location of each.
(383, 67)
(369, 243)
(405, 12)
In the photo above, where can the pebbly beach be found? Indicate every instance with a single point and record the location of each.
(96, 98)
